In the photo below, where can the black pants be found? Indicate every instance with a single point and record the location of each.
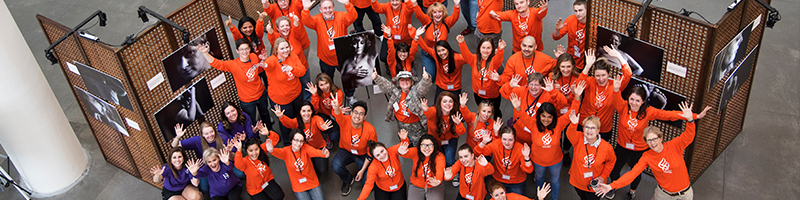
(606, 136)
(495, 104)
(440, 90)
(626, 156)
(401, 194)
(373, 16)
(320, 165)
(234, 194)
(273, 191)
(586, 195)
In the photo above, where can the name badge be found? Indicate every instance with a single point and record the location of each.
(564, 110)
(406, 114)
(302, 180)
(470, 197)
(482, 92)
(629, 146)
(397, 37)
(354, 152)
(507, 177)
(451, 87)
(445, 142)
(331, 47)
(393, 187)
(264, 185)
(587, 175)
(396, 106)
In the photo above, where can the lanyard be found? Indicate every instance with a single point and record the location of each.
(531, 104)
(389, 160)
(523, 26)
(509, 156)
(528, 66)
(470, 182)
(260, 172)
(589, 162)
(296, 159)
(354, 141)
(397, 20)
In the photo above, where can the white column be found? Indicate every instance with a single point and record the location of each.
(33, 129)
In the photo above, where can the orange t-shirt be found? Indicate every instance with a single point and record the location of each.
(575, 45)
(361, 3)
(294, 42)
(301, 171)
(354, 139)
(477, 130)
(482, 84)
(530, 25)
(401, 111)
(487, 23)
(427, 3)
(451, 81)
(419, 176)
(257, 172)
(327, 30)
(312, 129)
(510, 164)
(530, 104)
(438, 31)
(514, 196)
(519, 65)
(565, 85)
(388, 176)
(324, 104)
(598, 100)
(259, 31)
(391, 61)
(400, 19)
(295, 8)
(545, 145)
(589, 161)
(245, 75)
(446, 134)
(668, 167)
(630, 129)
(284, 85)
(472, 184)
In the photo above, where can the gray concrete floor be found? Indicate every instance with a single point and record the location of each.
(758, 164)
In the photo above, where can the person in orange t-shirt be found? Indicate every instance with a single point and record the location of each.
(255, 165)
(444, 123)
(305, 182)
(473, 169)
(385, 172)
(427, 173)
(498, 192)
(252, 31)
(401, 55)
(527, 62)
(532, 97)
(249, 87)
(593, 157)
(479, 124)
(449, 75)
(288, 29)
(665, 160)
(398, 17)
(485, 79)
(574, 26)
(328, 24)
(290, 9)
(512, 159)
(284, 69)
(565, 77)
(487, 25)
(525, 21)
(598, 100)
(312, 126)
(436, 26)
(356, 133)
(322, 91)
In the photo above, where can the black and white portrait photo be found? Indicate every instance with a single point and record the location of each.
(657, 97)
(729, 56)
(100, 110)
(104, 86)
(357, 55)
(644, 59)
(187, 107)
(736, 80)
(186, 63)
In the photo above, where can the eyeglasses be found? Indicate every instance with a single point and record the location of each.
(298, 140)
(589, 128)
(426, 145)
(243, 49)
(354, 113)
(652, 140)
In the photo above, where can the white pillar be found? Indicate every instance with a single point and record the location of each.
(33, 129)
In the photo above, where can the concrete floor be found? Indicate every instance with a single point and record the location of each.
(758, 164)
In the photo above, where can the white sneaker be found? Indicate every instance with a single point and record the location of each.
(455, 181)
(351, 100)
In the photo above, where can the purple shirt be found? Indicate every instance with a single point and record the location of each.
(173, 183)
(247, 128)
(221, 182)
(195, 143)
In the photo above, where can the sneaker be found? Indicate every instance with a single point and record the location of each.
(328, 144)
(630, 196)
(351, 100)
(467, 31)
(346, 187)
(455, 181)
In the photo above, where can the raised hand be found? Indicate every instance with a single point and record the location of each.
(278, 111)
(573, 117)
(590, 59)
(703, 114)
(485, 139)
(482, 161)
(602, 189)
(261, 15)
(494, 75)
(386, 29)
(194, 165)
(359, 175)
(500, 44)
(328, 124)
(241, 136)
(403, 148)
(269, 145)
(237, 144)
(686, 107)
(425, 74)
(460, 38)
(497, 124)
(264, 130)
(542, 192)
(179, 131)
(269, 28)
(295, 19)
(578, 90)
(155, 170)
(403, 134)
(257, 127)
(420, 30)
(456, 118)
(559, 24)
(229, 22)
(613, 53)
(311, 88)
(433, 182)
(526, 151)
(559, 50)
(346, 110)
(548, 84)
(543, 5)
(448, 173)
(515, 101)
(515, 81)
(463, 98)
(374, 75)
(458, 3)
(618, 83)
(307, 4)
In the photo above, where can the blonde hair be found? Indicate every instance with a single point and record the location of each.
(592, 119)
(210, 153)
(278, 43)
(653, 130)
(217, 138)
(477, 115)
(437, 7)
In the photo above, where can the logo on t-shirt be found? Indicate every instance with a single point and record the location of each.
(530, 69)
(479, 134)
(251, 73)
(225, 175)
(546, 139)
(566, 89)
(599, 97)
(288, 70)
(308, 135)
(507, 161)
(331, 33)
(426, 169)
(445, 67)
(523, 26)
(664, 165)
(396, 20)
(390, 171)
(632, 123)
(588, 160)
(298, 165)
(468, 178)
(354, 140)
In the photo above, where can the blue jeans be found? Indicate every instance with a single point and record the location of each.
(518, 188)
(304, 81)
(429, 64)
(450, 151)
(289, 110)
(469, 9)
(312, 194)
(344, 158)
(260, 105)
(555, 177)
(333, 132)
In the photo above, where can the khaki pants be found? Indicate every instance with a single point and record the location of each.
(661, 195)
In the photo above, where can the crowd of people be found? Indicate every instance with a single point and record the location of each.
(557, 106)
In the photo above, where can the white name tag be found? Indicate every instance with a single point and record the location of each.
(482, 92)
(629, 146)
(445, 142)
(470, 197)
(396, 106)
(264, 185)
(393, 187)
(353, 151)
(587, 175)
(302, 180)
(397, 37)
(331, 47)
(527, 130)
(564, 110)
(451, 87)
(406, 114)
(507, 177)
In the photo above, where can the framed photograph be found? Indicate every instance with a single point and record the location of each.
(104, 86)
(644, 58)
(186, 63)
(657, 97)
(190, 105)
(357, 54)
(730, 55)
(100, 110)
(737, 78)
